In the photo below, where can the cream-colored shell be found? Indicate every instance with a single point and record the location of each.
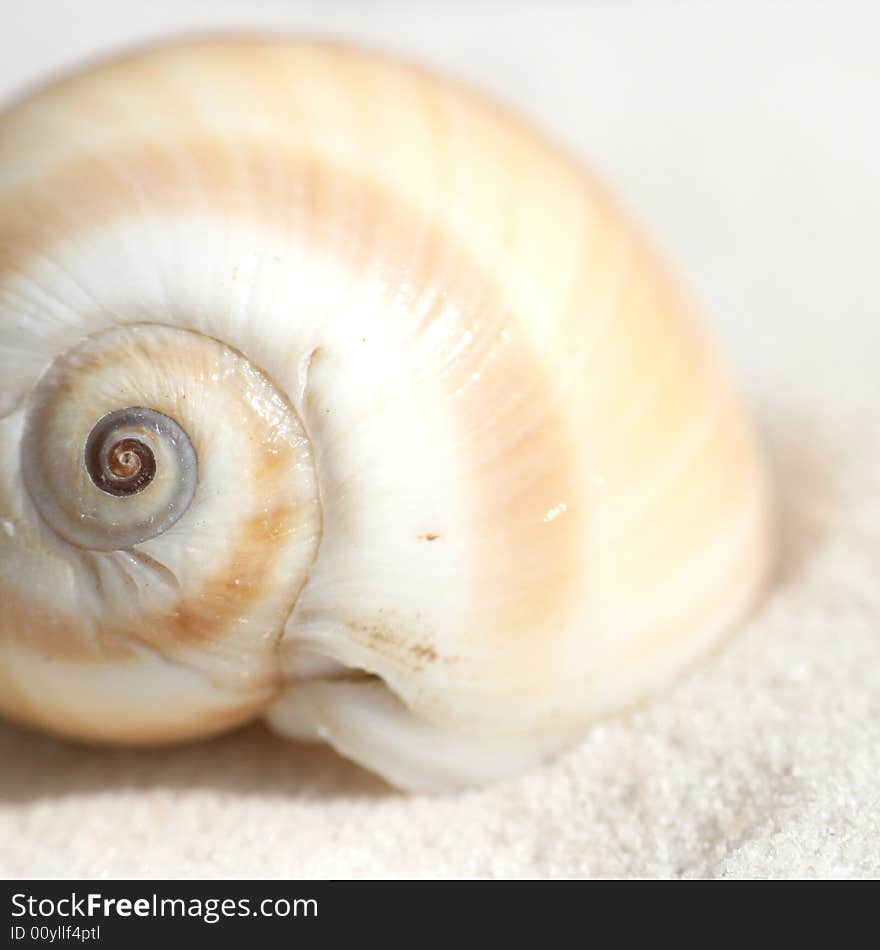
(470, 473)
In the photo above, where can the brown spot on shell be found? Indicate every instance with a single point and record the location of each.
(392, 637)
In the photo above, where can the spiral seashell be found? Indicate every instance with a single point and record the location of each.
(333, 394)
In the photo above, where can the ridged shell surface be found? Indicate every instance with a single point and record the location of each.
(460, 469)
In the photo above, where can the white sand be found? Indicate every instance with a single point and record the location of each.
(748, 140)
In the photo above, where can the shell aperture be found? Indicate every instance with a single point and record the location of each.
(420, 452)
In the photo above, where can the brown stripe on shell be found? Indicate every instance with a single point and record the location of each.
(202, 619)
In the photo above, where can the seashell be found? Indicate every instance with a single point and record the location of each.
(333, 394)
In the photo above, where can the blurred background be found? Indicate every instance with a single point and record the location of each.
(746, 137)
